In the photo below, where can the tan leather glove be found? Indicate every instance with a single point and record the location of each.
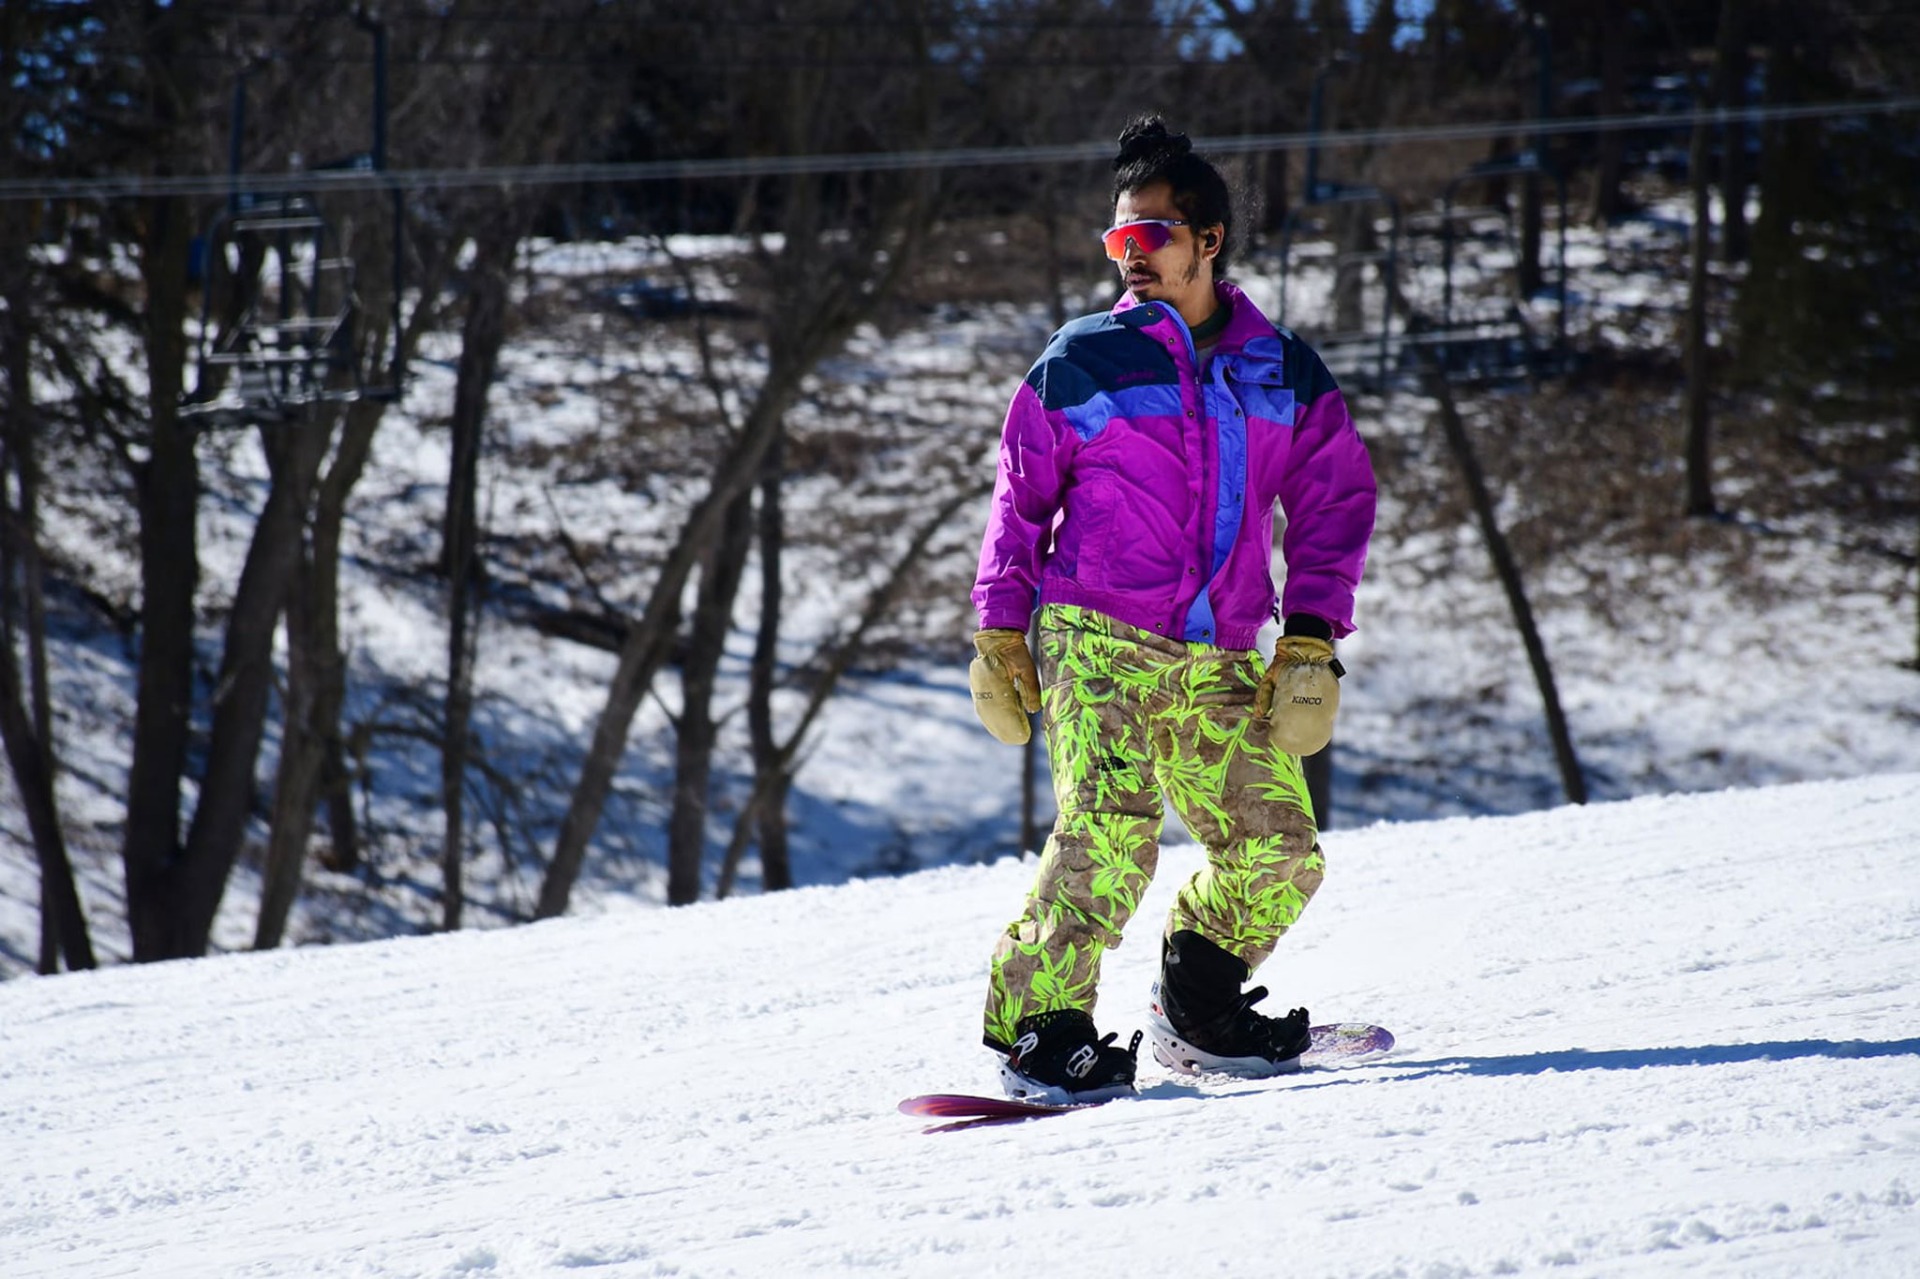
(1300, 695)
(1006, 687)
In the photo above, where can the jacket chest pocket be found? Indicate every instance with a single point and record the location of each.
(1262, 394)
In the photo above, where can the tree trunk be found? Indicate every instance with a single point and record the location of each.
(1699, 444)
(302, 750)
(316, 689)
(26, 711)
(245, 683)
(1913, 434)
(1530, 277)
(1730, 64)
(693, 761)
(28, 731)
(342, 851)
(335, 783)
(1050, 245)
(767, 819)
(1608, 202)
(168, 486)
(1278, 199)
(32, 764)
(1508, 571)
(481, 340)
(1354, 223)
(770, 827)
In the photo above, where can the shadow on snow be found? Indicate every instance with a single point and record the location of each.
(1577, 1059)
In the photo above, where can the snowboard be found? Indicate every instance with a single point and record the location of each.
(1332, 1043)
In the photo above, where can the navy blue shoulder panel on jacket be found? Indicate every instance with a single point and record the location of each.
(1094, 354)
(1306, 373)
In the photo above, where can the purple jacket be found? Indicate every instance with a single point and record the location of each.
(1130, 487)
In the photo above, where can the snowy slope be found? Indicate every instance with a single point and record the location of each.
(1664, 1036)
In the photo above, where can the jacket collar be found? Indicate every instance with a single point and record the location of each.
(1247, 326)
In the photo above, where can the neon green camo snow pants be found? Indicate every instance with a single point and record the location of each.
(1131, 716)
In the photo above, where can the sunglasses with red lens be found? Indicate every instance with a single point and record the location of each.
(1151, 234)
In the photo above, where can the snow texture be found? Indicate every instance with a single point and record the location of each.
(1671, 1035)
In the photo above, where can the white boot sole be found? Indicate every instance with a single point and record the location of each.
(1181, 1057)
(1020, 1088)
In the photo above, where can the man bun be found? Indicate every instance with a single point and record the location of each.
(1148, 139)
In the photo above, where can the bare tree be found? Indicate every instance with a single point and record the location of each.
(315, 682)
(844, 243)
(720, 577)
(775, 762)
(1507, 569)
(26, 713)
(175, 882)
(312, 773)
(827, 286)
(26, 718)
(482, 335)
(772, 773)
(1609, 201)
(503, 111)
(1699, 362)
(174, 885)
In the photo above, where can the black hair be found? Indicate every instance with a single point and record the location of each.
(1149, 153)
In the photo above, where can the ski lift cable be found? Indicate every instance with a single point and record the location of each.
(134, 186)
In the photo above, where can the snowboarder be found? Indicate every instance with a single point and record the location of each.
(1139, 466)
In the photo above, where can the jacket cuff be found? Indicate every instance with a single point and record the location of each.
(1005, 621)
(1308, 625)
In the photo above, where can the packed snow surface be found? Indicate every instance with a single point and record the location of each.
(1675, 1035)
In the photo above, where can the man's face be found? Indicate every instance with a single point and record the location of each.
(1180, 270)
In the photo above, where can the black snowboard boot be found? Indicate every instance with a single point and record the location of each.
(1201, 1022)
(1059, 1058)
